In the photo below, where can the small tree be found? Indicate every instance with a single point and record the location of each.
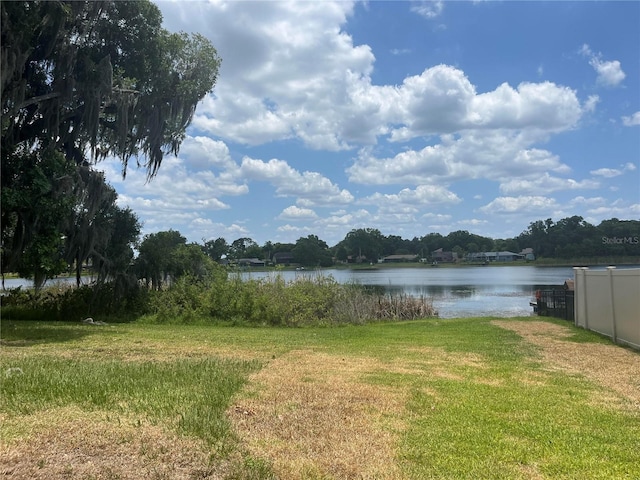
(311, 251)
(216, 249)
(36, 199)
(155, 262)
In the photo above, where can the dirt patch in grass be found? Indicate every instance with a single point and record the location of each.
(611, 366)
(311, 416)
(72, 444)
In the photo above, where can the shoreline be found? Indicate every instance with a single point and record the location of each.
(581, 262)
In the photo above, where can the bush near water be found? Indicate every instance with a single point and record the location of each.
(220, 299)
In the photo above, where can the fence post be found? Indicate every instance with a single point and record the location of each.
(576, 286)
(584, 296)
(613, 305)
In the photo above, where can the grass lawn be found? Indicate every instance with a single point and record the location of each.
(445, 399)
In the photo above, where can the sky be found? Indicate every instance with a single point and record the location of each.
(408, 117)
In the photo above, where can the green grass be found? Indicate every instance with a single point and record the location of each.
(475, 427)
(490, 410)
(190, 395)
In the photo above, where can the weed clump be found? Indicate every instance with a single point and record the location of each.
(308, 300)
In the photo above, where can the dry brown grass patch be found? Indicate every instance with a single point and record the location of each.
(312, 417)
(611, 366)
(72, 444)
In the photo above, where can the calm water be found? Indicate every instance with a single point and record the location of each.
(456, 292)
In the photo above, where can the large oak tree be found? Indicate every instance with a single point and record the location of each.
(87, 80)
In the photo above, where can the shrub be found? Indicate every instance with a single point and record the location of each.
(66, 302)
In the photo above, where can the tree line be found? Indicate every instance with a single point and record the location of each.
(167, 254)
(568, 238)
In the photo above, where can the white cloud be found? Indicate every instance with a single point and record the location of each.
(443, 100)
(606, 172)
(206, 153)
(428, 9)
(310, 188)
(495, 155)
(297, 213)
(618, 209)
(293, 77)
(610, 73)
(520, 205)
(423, 195)
(631, 120)
(186, 188)
(545, 106)
(544, 184)
(298, 230)
(590, 104)
(288, 70)
(580, 201)
(205, 228)
(473, 222)
(440, 217)
(613, 172)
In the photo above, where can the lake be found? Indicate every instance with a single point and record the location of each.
(502, 291)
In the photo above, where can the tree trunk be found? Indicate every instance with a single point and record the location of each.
(39, 279)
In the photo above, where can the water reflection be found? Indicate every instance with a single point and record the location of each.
(456, 292)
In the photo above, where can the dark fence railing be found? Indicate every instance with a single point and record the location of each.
(555, 303)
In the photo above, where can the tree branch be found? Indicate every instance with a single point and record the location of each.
(41, 98)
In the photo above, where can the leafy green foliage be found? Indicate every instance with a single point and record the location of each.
(573, 237)
(102, 74)
(97, 229)
(312, 252)
(215, 249)
(36, 199)
(82, 77)
(154, 262)
(317, 300)
(62, 302)
(56, 215)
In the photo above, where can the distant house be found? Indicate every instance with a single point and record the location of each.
(356, 259)
(399, 258)
(486, 257)
(250, 262)
(441, 256)
(528, 254)
(508, 257)
(282, 258)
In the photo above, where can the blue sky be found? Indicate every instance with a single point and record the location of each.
(408, 117)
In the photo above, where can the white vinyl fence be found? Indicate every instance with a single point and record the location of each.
(608, 302)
